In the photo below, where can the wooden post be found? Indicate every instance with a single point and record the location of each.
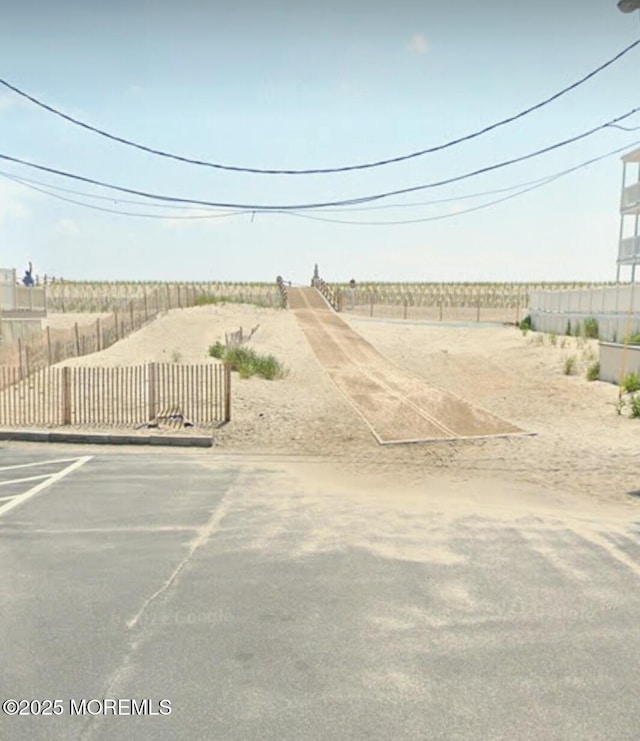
(49, 345)
(20, 358)
(146, 309)
(75, 329)
(168, 297)
(131, 313)
(179, 298)
(478, 310)
(26, 358)
(115, 316)
(98, 335)
(371, 310)
(440, 309)
(152, 391)
(227, 392)
(66, 395)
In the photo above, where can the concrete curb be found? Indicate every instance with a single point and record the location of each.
(106, 438)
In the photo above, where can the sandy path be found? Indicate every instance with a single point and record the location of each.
(396, 405)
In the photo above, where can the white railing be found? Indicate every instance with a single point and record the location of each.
(14, 297)
(630, 196)
(30, 299)
(629, 249)
(7, 275)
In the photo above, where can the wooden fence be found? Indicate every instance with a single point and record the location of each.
(234, 339)
(117, 396)
(54, 345)
(474, 306)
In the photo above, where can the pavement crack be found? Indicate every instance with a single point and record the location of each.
(202, 535)
(127, 664)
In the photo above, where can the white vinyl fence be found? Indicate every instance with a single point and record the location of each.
(553, 311)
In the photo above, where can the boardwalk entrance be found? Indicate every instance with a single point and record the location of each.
(397, 406)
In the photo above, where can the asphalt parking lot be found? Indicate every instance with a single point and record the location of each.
(259, 602)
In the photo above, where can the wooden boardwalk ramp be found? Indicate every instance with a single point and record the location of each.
(398, 406)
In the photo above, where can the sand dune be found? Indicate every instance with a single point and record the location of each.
(581, 445)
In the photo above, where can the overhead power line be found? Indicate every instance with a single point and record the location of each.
(47, 191)
(523, 188)
(320, 171)
(47, 188)
(531, 186)
(311, 206)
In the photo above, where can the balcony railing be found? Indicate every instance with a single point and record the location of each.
(630, 197)
(629, 250)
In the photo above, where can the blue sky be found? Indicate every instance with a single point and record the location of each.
(284, 85)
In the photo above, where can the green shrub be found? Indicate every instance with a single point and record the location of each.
(206, 300)
(569, 367)
(269, 367)
(553, 338)
(631, 383)
(217, 350)
(248, 363)
(591, 329)
(568, 330)
(577, 329)
(525, 324)
(222, 299)
(634, 405)
(593, 372)
(633, 338)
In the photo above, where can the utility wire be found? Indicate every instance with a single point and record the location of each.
(118, 211)
(310, 206)
(319, 171)
(525, 188)
(531, 186)
(48, 187)
(85, 194)
(381, 207)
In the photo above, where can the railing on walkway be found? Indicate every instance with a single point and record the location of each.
(116, 396)
(332, 295)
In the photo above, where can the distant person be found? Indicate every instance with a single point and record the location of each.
(28, 277)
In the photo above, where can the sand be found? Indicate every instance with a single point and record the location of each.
(581, 446)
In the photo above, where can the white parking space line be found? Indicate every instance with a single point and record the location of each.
(15, 501)
(28, 478)
(39, 463)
